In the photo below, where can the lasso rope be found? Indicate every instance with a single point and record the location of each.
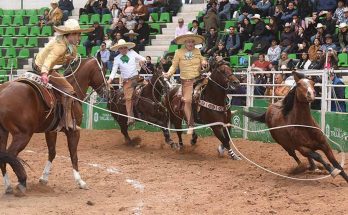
(225, 125)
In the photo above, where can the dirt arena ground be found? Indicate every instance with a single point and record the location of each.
(153, 179)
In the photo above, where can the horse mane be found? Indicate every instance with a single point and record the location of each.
(288, 101)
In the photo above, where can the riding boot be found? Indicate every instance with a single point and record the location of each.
(129, 108)
(189, 118)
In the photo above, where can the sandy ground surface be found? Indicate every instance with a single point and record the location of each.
(153, 179)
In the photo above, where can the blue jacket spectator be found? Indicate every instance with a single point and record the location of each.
(328, 5)
(289, 12)
(263, 7)
(232, 42)
(66, 6)
(337, 93)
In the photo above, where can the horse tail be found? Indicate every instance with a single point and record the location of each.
(16, 164)
(255, 116)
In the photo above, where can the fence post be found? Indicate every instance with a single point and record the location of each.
(323, 98)
(248, 102)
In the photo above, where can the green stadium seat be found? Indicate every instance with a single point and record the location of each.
(23, 54)
(10, 52)
(343, 60)
(200, 14)
(7, 42)
(106, 19)
(21, 42)
(155, 26)
(34, 31)
(2, 63)
(83, 39)
(154, 17)
(165, 17)
(46, 31)
(201, 25)
(3, 73)
(12, 63)
(94, 18)
(247, 47)
(32, 42)
(10, 31)
(230, 23)
(42, 10)
(172, 48)
(17, 21)
(33, 20)
(1, 12)
(9, 12)
(6, 21)
(82, 51)
(31, 13)
(94, 50)
(292, 56)
(235, 61)
(19, 12)
(84, 19)
(2, 31)
(23, 31)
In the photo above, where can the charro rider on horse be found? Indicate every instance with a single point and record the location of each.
(126, 61)
(60, 50)
(189, 60)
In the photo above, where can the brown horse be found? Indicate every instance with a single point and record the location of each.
(295, 109)
(214, 95)
(24, 113)
(147, 105)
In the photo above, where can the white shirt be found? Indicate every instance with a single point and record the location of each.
(273, 53)
(181, 31)
(129, 69)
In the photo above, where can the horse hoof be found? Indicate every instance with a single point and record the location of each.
(83, 185)
(193, 143)
(43, 181)
(220, 151)
(335, 172)
(236, 157)
(9, 190)
(20, 190)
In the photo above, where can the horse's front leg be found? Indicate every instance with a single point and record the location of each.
(221, 133)
(73, 138)
(51, 140)
(167, 137)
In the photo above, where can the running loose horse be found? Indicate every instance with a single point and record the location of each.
(23, 112)
(295, 109)
(212, 106)
(147, 102)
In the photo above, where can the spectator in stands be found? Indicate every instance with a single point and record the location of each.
(246, 30)
(247, 10)
(211, 20)
(210, 41)
(259, 28)
(232, 41)
(273, 52)
(166, 63)
(105, 56)
(337, 93)
(128, 9)
(343, 37)
(329, 22)
(325, 5)
(66, 6)
(304, 8)
(55, 14)
(278, 90)
(225, 13)
(339, 12)
(181, 29)
(304, 62)
(288, 13)
(118, 36)
(107, 41)
(115, 11)
(271, 29)
(100, 7)
(311, 24)
(140, 11)
(328, 43)
(241, 90)
(285, 63)
(332, 59)
(88, 8)
(195, 29)
(220, 51)
(119, 29)
(287, 39)
(301, 44)
(131, 36)
(263, 7)
(149, 68)
(296, 23)
(151, 7)
(130, 23)
(143, 30)
(95, 37)
(318, 62)
(261, 64)
(278, 12)
(320, 33)
(43, 20)
(312, 51)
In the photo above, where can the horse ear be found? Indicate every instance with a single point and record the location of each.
(99, 58)
(297, 75)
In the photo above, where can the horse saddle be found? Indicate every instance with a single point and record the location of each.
(136, 94)
(178, 100)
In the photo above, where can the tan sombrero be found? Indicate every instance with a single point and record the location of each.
(71, 26)
(122, 43)
(180, 40)
(131, 33)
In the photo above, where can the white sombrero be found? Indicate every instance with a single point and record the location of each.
(131, 33)
(122, 43)
(54, 2)
(180, 40)
(343, 25)
(71, 26)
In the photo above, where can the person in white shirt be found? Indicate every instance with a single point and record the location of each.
(126, 62)
(180, 30)
(273, 53)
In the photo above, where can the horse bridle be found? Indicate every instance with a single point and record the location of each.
(227, 77)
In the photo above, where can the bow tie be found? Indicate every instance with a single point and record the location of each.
(125, 59)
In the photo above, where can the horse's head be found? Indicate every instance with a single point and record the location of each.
(222, 74)
(304, 88)
(97, 78)
(158, 81)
